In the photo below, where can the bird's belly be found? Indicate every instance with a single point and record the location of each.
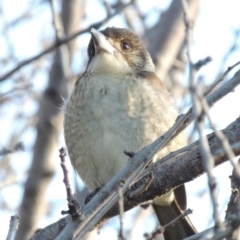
(98, 152)
(101, 124)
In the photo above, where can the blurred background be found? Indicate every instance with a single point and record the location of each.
(37, 74)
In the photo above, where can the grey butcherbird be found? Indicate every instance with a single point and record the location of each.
(117, 104)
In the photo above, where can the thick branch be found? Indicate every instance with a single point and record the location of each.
(48, 127)
(188, 165)
(17, 147)
(107, 196)
(167, 36)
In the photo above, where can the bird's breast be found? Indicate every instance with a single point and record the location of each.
(107, 115)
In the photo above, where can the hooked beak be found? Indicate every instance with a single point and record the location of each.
(101, 43)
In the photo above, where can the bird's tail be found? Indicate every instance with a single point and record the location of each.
(183, 228)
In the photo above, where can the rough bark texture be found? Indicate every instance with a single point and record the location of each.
(188, 165)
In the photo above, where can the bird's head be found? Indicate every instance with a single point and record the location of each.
(117, 50)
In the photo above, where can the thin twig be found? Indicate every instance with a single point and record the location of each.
(142, 188)
(128, 175)
(18, 147)
(121, 211)
(202, 63)
(221, 78)
(23, 87)
(10, 179)
(230, 227)
(224, 142)
(57, 22)
(211, 99)
(73, 205)
(66, 180)
(13, 227)
(207, 158)
(199, 116)
(59, 33)
(162, 229)
(201, 235)
(63, 41)
(101, 203)
(232, 48)
(191, 160)
(107, 8)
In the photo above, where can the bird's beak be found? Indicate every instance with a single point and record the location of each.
(101, 43)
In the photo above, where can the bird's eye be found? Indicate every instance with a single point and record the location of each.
(125, 46)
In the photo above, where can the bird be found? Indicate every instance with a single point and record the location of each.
(120, 104)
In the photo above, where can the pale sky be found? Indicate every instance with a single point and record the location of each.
(213, 35)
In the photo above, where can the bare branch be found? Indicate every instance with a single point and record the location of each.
(74, 206)
(202, 63)
(162, 229)
(166, 38)
(121, 211)
(63, 41)
(18, 147)
(10, 179)
(189, 165)
(233, 208)
(221, 78)
(199, 123)
(48, 128)
(108, 195)
(64, 53)
(207, 157)
(66, 180)
(14, 222)
(225, 144)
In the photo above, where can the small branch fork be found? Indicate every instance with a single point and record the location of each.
(73, 205)
(162, 229)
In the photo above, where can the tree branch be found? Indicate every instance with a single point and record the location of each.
(107, 196)
(233, 208)
(166, 176)
(16, 147)
(14, 222)
(62, 41)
